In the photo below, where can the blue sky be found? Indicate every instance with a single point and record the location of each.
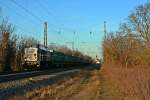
(65, 17)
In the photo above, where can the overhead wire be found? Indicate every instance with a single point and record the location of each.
(30, 13)
(40, 20)
(31, 33)
(26, 10)
(46, 10)
(58, 31)
(54, 17)
(18, 27)
(8, 7)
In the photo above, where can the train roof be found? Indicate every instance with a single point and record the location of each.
(43, 48)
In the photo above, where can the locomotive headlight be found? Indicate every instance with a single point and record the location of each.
(25, 58)
(51, 50)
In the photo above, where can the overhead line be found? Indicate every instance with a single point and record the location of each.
(46, 10)
(17, 13)
(18, 25)
(26, 10)
(23, 29)
(56, 20)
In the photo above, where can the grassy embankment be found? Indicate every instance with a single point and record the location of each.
(134, 82)
(87, 85)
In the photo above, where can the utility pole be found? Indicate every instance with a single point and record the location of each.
(105, 30)
(45, 34)
(73, 46)
(105, 33)
(73, 42)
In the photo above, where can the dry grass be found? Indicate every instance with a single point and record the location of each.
(134, 82)
(86, 85)
(75, 88)
(53, 92)
(89, 88)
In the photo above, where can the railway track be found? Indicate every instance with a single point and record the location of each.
(17, 76)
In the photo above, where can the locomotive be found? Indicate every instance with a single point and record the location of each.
(41, 57)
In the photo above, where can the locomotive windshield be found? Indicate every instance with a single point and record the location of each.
(30, 50)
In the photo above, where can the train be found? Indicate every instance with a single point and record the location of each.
(41, 57)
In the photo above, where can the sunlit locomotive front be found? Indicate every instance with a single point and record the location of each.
(35, 57)
(30, 57)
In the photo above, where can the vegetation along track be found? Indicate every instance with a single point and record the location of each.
(89, 84)
(85, 85)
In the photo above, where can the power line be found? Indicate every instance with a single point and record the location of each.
(26, 10)
(46, 10)
(17, 13)
(23, 29)
(19, 27)
(54, 17)
(15, 24)
(30, 13)
(34, 15)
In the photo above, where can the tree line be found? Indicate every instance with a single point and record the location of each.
(130, 45)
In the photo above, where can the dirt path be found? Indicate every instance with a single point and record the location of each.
(87, 85)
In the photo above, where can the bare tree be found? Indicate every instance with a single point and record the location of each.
(7, 45)
(140, 21)
(130, 46)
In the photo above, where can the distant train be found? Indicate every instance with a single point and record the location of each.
(40, 57)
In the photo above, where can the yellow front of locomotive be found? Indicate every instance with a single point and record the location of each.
(31, 57)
